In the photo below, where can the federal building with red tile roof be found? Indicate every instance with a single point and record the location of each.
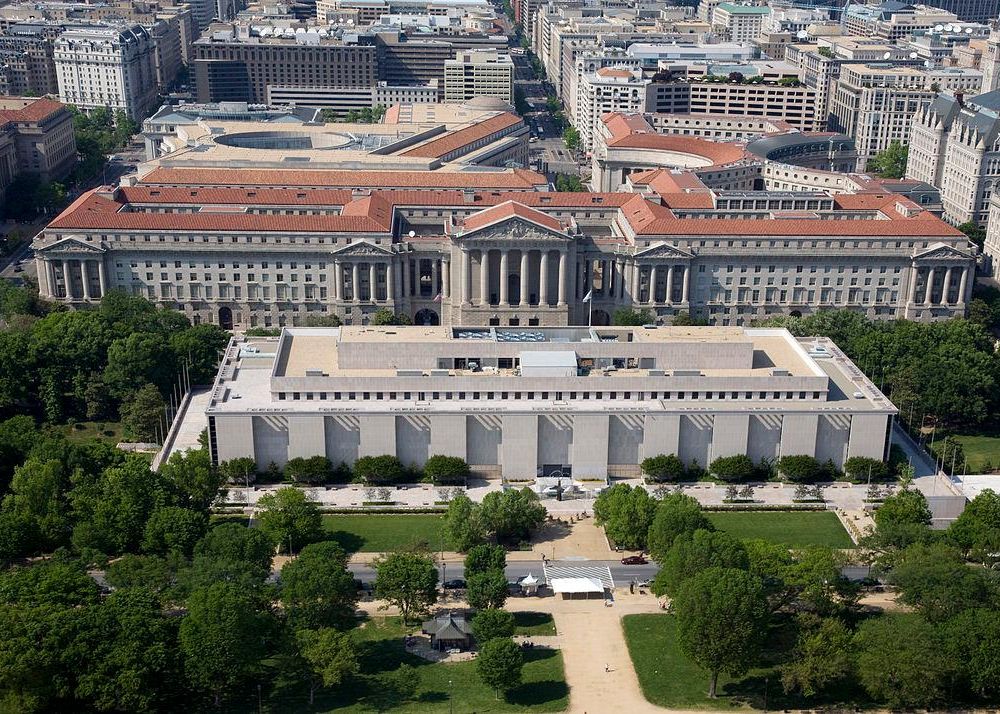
(266, 247)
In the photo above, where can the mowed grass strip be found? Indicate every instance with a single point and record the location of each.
(533, 623)
(796, 529)
(382, 533)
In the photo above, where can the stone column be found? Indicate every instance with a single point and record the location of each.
(620, 279)
(101, 277)
(50, 275)
(670, 285)
(581, 279)
(653, 275)
(67, 282)
(686, 288)
(85, 279)
(404, 276)
(609, 278)
(635, 283)
(435, 278)
(524, 278)
(563, 276)
(962, 285)
(355, 282)
(929, 286)
(504, 284)
(484, 277)
(912, 297)
(390, 282)
(466, 277)
(946, 287)
(543, 278)
(445, 278)
(338, 281)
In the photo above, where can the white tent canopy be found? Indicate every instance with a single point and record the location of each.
(529, 579)
(576, 585)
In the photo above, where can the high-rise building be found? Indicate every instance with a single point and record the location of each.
(479, 73)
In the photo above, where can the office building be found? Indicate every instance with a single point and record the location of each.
(27, 66)
(607, 90)
(739, 23)
(479, 73)
(36, 137)
(518, 403)
(107, 66)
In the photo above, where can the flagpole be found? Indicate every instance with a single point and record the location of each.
(590, 312)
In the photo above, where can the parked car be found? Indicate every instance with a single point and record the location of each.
(634, 560)
(456, 584)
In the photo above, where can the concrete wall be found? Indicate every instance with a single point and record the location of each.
(483, 433)
(270, 441)
(798, 434)
(729, 435)
(661, 435)
(590, 451)
(519, 449)
(696, 439)
(555, 437)
(378, 435)
(624, 439)
(764, 437)
(343, 436)
(448, 436)
(234, 437)
(832, 434)
(413, 439)
(868, 435)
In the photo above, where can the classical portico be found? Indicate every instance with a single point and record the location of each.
(365, 273)
(72, 270)
(939, 279)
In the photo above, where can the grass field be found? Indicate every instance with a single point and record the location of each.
(443, 687)
(374, 533)
(533, 623)
(111, 432)
(796, 529)
(669, 679)
(979, 449)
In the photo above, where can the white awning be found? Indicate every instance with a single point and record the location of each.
(529, 579)
(576, 585)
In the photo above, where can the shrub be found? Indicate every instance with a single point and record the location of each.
(379, 469)
(314, 470)
(799, 468)
(663, 467)
(738, 467)
(446, 469)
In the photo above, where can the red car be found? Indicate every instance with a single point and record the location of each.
(634, 560)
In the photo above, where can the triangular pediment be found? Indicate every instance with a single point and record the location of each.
(664, 250)
(514, 228)
(940, 251)
(72, 244)
(362, 247)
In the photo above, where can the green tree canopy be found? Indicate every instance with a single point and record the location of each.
(499, 665)
(977, 530)
(890, 163)
(492, 623)
(290, 518)
(483, 558)
(722, 618)
(901, 662)
(173, 529)
(512, 515)
(406, 580)
(663, 467)
(695, 552)
(626, 514)
(331, 657)
(934, 579)
(486, 590)
(446, 469)
(823, 656)
(317, 589)
(463, 528)
(677, 514)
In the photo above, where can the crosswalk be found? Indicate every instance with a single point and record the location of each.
(561, 569)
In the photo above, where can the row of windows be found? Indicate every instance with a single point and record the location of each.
(543, 396)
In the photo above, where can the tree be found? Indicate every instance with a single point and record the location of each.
(142, 413)
(569, 184)
(52, 583)
(973, 639)
(394, 688)
(384, 316)
(131, 652)
(627, 317)
(975, 232)
(900, 661)
(139, 358)
(406, 580)
(800, 468)
(694, 553)
(492, 623)
(977, 530)
(738, 467)
(330, 656)
(722, 618)
(463, 528)
(194, 483)
(677, 514)
(823, 655)
(222, 639)
(935, 580)
(902, 519)
(486, 590)
(317, 589)
(312, 470)
(512, 515)
(241, 470)
(499, 665)
(861, 469)
(571, 137)
(483, 558)
(234, 553)
(379, 469)
(198, 347)
(442, 469)
(37, 499)
(626, 514)
(663, 467)
(173, 529)
(289, 518)
(951, 454)
(890, 163)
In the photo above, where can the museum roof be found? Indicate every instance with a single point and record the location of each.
(454, 140)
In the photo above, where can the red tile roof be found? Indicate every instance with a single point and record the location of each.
(507, 210)
(286, 178)
(632, 131)
(36, 111)
(225, 195)
(437, 148)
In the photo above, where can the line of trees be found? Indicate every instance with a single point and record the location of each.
(505, 517)
(797, 468)
(376, 470)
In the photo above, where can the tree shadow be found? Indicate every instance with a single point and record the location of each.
(532, 619)
(550, 531)
(350, 542)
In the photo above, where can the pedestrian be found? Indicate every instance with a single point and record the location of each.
(607, 668)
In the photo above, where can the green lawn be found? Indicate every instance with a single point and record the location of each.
(443, 687)
(669, 679)
(796, 529)
(533, 623)
(111, 432)
(375, 533)
(978, 449)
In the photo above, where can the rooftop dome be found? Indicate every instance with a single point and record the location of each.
(488, 104)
